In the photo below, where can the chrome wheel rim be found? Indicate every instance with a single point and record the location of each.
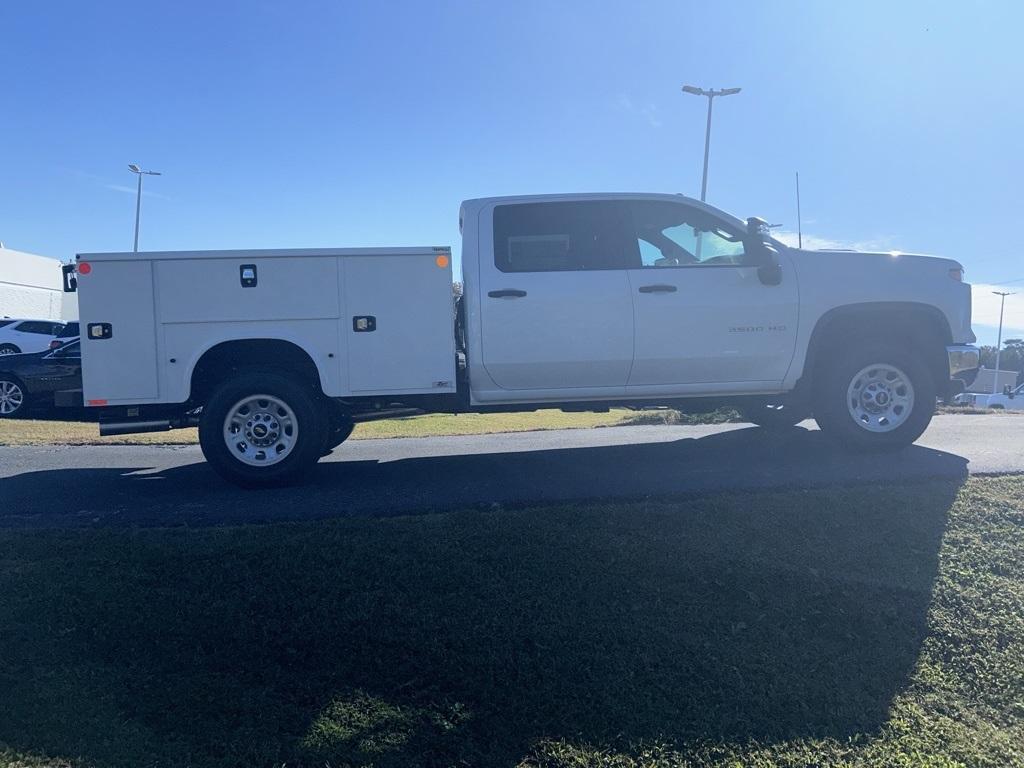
(7, 351)
(260, 430)
(880, 398)
(11, 398)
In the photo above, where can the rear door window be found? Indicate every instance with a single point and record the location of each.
(564, 237)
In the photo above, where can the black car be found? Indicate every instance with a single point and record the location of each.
(31, 381)
(69, 332)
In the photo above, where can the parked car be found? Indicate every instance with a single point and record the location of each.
(17, 336)
(575, 301)
(69, 332)
(1008, 399)
(32, 380)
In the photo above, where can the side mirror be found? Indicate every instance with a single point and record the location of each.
(1008, 391)
(770, 274)
(70, 279)
(769, 271)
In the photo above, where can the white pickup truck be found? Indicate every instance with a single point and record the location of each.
(579, 302)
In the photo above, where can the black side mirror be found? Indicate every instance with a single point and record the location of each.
(770, 274)
(70, 279)
(764, 255)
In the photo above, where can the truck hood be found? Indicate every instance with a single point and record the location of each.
(879, 258)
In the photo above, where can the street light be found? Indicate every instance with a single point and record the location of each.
(138, 198)
(999, 343)
(710, 94)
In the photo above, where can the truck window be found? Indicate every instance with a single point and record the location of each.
(562, 237)
(676, 235)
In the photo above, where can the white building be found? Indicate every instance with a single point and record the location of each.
(31, 286)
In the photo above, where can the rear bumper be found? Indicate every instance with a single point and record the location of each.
(963, 358)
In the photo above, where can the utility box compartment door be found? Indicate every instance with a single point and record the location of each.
(115, 300)
(399, 322)
(247, 287)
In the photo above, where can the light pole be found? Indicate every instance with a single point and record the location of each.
(138, 198)
(710, 94)
(999, 342)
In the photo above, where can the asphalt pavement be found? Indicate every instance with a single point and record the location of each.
(85, 486)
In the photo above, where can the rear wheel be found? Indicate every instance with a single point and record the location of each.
(12, 398)
(336, 435)
(9, 349)
(876, 397)
(262, 429)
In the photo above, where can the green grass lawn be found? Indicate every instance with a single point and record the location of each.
(47, 432)
(861, 626)
(51, 432)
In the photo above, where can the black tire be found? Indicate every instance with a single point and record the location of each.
(836, 418)
(307, 419)
(775, 414)
(13, 398)
(336, 435)
(9, 349)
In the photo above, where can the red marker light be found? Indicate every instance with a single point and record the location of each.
(84, 268)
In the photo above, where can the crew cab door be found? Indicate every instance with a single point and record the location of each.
(703, 316)
(555, 305)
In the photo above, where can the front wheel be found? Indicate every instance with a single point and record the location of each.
(262, 430)
(875, 397)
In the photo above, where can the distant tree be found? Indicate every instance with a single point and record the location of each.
(1012, 358)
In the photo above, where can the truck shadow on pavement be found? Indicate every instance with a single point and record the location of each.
(469, 638)
(189, 493)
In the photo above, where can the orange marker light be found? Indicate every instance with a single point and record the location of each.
(84, 268)
(441, 261)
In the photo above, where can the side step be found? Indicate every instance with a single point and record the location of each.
(109, 428)
(128, 421)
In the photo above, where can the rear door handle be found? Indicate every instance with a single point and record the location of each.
(507, 293)
(658, 288)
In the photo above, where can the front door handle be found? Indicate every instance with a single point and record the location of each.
(661, 288)
(507, 293)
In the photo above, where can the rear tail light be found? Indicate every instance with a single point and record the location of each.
(957, 273)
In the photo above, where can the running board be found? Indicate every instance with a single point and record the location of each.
(109, 428)
(392, 413)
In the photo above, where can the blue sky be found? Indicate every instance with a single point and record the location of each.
(348, 123)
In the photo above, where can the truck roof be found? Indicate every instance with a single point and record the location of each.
(476, 204)
(262, 253)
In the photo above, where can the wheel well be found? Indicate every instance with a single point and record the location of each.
(920, 327)
(266, 354)
(16, 379)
